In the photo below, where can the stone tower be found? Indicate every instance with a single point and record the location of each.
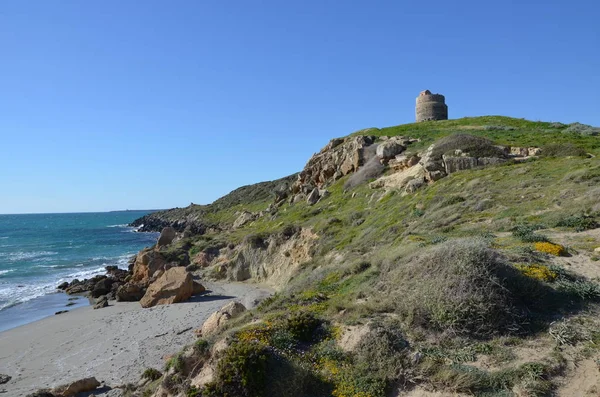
(431, 107)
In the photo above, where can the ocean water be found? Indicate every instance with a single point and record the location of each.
(40, 251)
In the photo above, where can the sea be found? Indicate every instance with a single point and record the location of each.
(40, 251)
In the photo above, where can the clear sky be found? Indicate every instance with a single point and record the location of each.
(118, 104)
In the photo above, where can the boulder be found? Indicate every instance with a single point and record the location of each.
(146, 263)
(101, 302)
(63, 286)
(175, 285)
(167, 235)
(74, 388)
(115, 273)
(4, 379)
(244, 218)
(414, 184)
(313, 197)
(389, 149)
(102, 287)
(218, 318)
(130, 292)
(198, 288)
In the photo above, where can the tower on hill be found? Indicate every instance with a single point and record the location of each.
(431, 107)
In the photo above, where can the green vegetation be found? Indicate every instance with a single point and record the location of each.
(465, 269)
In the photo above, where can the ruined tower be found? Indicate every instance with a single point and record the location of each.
(431, 107)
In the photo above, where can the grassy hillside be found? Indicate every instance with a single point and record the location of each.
(451, 288)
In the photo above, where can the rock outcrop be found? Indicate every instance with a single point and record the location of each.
(101, 302)
(244, 218)
(167, 235)
(173, 286)
(218, 318)
(4, 379)
(74, 388)
(147, 262)
(339, 157)
(130, 292)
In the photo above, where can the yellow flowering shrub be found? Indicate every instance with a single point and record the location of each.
(550, 248)
(538, 272)
(257, 333)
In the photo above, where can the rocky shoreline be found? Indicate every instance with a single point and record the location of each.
(153, 277)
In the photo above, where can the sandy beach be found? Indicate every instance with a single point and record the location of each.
(114, 344)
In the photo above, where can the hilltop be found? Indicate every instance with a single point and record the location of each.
(455, 256)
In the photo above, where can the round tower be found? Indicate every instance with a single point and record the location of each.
(431, 107)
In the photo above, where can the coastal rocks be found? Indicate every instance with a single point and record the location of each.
(218, 318)
(130, 292)
(4, 379)
(197, 288)
(173, 286)
(63, 286)
(101, 302)
(147, 262)
(102, 287)
(74, 388)
(167, 235)
(97, 285)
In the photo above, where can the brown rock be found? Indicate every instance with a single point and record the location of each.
(74, 388)
(198, 289)
(218, 318)
(130, 292)
(101, 302)
(167, 235)
(175, 285)
(147, 262)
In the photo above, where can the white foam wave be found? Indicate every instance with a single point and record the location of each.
(121, 225)
(5, 271)
(13, 296)
(3, 237)
(20, 255)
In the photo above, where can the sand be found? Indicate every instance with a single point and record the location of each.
(114, 344)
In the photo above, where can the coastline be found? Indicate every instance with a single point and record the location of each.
(40, 308)
(114, 344)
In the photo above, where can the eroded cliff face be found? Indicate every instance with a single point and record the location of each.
(272, 260)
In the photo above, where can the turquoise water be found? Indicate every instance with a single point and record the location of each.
(39, 251)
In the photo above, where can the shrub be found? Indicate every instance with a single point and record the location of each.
(383, 352)
(527, 234)
(562, 150)
(464, 287)
(498, 128)
(578, 222)
(201, 346)
(240, 372)
(579, 289)
(302, 325)
(582, 129)
(175, 362)
(473, 145)
(550, 248)
(538, 272)
(152, 374)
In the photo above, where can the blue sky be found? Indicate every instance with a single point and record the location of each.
(111, 104)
